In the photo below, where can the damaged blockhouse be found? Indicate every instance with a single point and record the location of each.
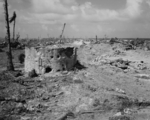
(50, 59)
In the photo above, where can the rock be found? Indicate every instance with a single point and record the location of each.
(139, 65)
(144, 76)
(128, 111)
(120, 63)
(120, 91)
(146, 49)
(32, 74)
(118, 114)
(1, 50)
(16, 73)
(25, 118)
(84, 104)
(120, 118)
(78, 81)
(118, 52)
(142, 67)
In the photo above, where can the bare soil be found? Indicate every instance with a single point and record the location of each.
(114, 85)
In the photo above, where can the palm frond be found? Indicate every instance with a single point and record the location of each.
(13, 17)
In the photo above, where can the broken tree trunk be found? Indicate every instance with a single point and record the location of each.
(10, 65)
(62, 32)
(14, 30)
(96, 39)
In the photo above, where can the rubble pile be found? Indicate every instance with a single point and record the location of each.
(120, 63)
(58, 87)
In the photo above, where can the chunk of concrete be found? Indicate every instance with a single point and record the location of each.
(50, 59)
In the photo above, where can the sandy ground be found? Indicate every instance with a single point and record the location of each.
(113, 86)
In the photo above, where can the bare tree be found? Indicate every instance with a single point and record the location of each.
(96, 39)
(62, 32)
(13, 19)
(10, 65)
(17, 37)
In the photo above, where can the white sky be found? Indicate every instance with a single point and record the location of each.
(83, 18)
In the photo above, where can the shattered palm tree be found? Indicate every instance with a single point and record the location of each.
(10, 65)
(13, 19)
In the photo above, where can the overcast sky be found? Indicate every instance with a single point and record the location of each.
(83, 18)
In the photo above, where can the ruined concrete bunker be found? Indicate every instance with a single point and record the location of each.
(50, 59)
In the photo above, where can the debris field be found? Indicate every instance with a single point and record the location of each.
(107, 82)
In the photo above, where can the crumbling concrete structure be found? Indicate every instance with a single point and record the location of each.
(50, 59)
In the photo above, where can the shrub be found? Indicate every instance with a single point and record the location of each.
(15, 44)
(1, 50)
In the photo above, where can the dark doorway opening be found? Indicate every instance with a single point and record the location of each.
(67, 51)
(48, 69)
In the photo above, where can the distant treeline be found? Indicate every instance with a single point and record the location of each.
(45, 41)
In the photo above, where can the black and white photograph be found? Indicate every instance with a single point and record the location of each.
(74, 59)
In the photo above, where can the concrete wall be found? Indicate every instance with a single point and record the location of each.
(30, 55)
(50, 59)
